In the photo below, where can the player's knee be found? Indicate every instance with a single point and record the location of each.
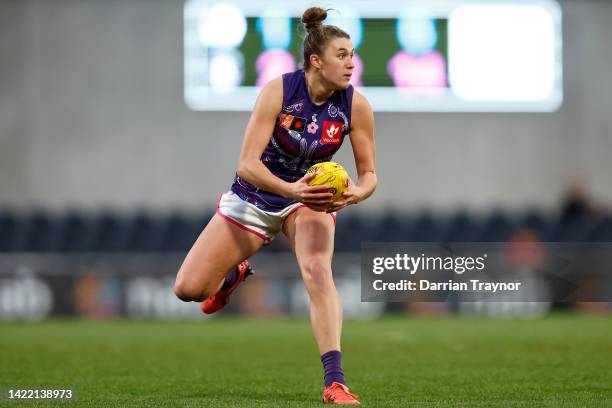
(183, 292)
(317, 275)
(189, 292)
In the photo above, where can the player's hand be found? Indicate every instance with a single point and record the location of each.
(317, 198)
(350, 196)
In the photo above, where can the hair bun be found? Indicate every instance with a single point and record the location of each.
(313, 17)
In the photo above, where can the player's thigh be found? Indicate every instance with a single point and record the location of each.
(220, 247)
(311, 235)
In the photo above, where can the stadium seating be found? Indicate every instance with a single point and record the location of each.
(78, 232)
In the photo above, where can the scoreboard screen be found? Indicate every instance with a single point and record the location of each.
(454, 55)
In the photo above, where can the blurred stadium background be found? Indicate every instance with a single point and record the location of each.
(117, 135)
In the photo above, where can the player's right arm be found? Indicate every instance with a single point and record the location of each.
(256, 138)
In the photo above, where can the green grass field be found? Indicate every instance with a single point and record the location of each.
(559, 361)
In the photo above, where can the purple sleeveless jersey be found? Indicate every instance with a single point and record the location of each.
(304, 134)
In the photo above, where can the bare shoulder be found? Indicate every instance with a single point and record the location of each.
(361, 110)
(270, 98)
(275, 86)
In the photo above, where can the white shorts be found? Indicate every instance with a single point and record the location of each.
(247, 216)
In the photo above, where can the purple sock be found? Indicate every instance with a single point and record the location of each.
(230, 278)
(332, 364)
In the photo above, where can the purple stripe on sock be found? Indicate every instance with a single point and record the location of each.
(332, 365)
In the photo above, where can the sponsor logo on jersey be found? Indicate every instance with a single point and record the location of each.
(331, 133)
(291, 122)
(295, 106)
(332, 110)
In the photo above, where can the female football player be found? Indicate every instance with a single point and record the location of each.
(299, 119)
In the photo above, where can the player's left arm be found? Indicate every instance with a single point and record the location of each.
(364, 150)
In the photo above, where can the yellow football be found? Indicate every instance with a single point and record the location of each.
(332, 175)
